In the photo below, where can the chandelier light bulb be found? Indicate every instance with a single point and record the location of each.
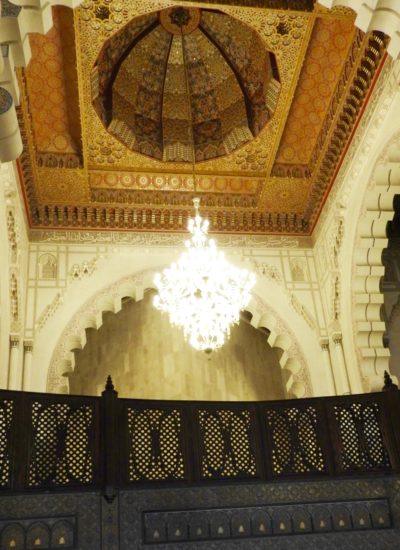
(203, 293)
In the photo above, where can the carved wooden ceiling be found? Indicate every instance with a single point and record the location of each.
(116, 94)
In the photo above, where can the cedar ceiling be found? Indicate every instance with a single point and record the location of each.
(115, 100)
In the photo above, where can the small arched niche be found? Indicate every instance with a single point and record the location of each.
(150, 359)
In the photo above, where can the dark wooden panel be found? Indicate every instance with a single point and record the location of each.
(60, 441)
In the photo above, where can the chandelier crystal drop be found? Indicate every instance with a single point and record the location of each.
(202, 292)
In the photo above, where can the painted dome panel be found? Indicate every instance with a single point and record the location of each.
(185, 80)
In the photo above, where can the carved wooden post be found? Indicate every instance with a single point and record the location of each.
(392, 419)
(21, 437)
(388, 383)
(110, 441)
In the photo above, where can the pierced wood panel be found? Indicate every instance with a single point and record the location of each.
(155, 445)
(226, 442)
(53, 441)
(6, 417)
(63, 448)
(293, 435)
(361, 443)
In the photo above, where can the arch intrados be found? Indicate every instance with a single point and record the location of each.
(111, 298)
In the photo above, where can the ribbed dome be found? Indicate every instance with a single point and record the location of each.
(141, 80)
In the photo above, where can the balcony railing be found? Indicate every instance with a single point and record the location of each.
(60, 441)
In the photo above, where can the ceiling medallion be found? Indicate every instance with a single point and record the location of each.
(203, 293)
(180, 20)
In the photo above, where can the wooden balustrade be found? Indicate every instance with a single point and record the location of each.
(55, 442)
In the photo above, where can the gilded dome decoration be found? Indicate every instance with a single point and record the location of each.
(108, 123)
(150, 74)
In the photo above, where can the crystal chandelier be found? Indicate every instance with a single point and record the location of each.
(202, 292)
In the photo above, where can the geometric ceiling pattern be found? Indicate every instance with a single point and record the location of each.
(117, 97)
(181, 80)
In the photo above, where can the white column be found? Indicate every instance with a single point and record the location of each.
(13, 364)
(340, 370)
(324, 342)
(28, 349)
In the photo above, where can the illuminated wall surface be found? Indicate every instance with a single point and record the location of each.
(148, 358)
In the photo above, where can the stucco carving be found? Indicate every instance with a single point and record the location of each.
(12, 236)
(14, 300)
(13, 232)
(47, 266)
(282, 337)
(273, 274)
(162, 239)
(76, 273)
(85, 269)
(335, 299)
(356, 276)
(49, 310)
(302, 311)
(298, 270)
(269, 271)
(361, 145)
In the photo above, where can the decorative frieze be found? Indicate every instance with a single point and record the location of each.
(14, 300)
(171, 527)
(57, 532)
(158, 239)
(12, 236)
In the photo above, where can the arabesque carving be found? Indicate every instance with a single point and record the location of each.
(251, 196)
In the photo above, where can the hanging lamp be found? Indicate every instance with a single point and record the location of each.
(202, 292)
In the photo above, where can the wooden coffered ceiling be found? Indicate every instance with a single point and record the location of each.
(276, 95)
